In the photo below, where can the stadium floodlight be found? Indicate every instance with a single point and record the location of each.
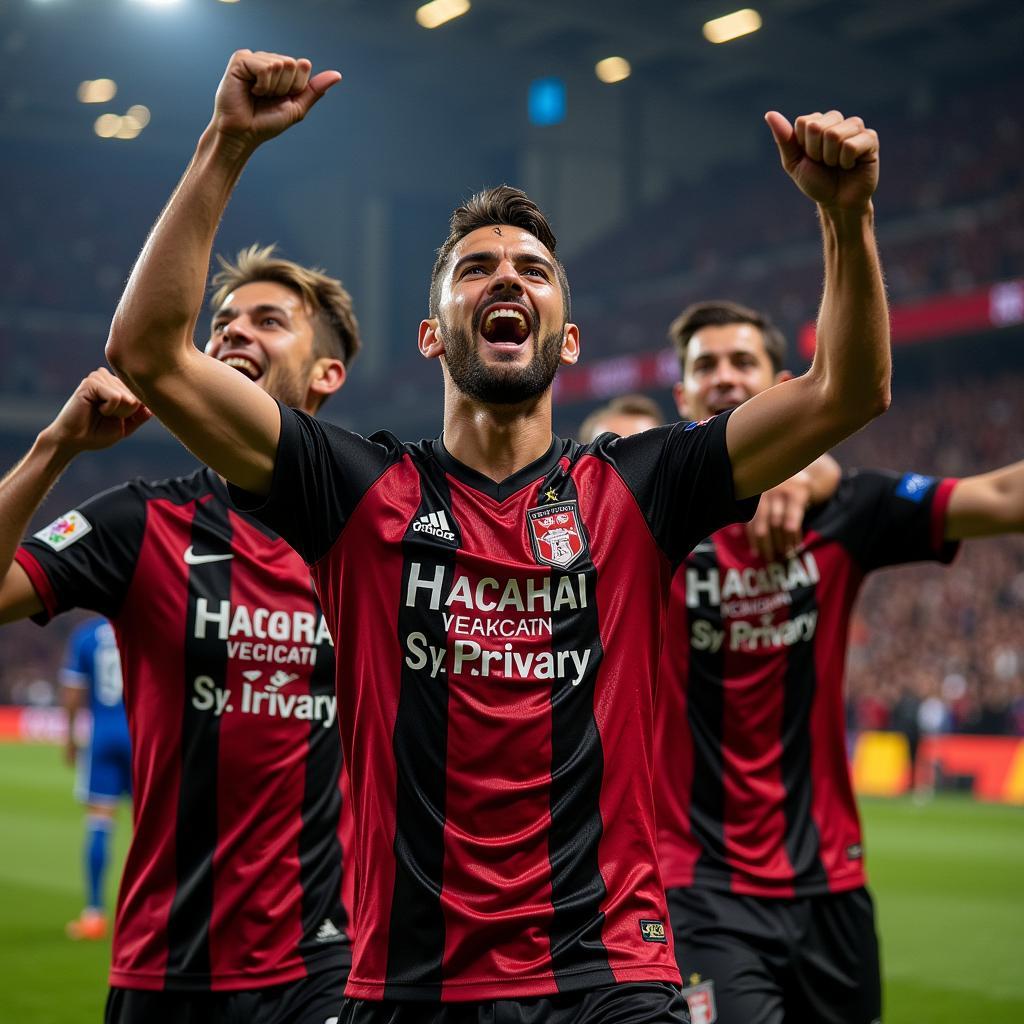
(159, 3)
(97, 90)
(612, 70)
(107, 125)
(732, 26)
(129, 128)
(140, 114)
(437, 12)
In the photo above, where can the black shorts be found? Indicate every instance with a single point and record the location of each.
(754, 960)
(641, 1003)
(313, 1000)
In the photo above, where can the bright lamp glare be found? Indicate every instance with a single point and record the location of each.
(107, 125)
(159, 3)
(732, 26)
(98, 90)
(613, 69)
(437, 12)
(139, 114)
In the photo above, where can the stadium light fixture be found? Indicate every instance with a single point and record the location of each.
(732, 26)
(612, 70)
(159, 3)
(437, 12)
(107, 125)
(97, 90)
(140, 114)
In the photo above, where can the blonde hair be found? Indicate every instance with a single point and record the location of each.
(335, 328)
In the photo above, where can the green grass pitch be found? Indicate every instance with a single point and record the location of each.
(948, 878)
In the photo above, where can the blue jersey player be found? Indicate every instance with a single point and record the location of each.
(92, 675)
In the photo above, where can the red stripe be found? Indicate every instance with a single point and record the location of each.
(256, 925)
(678, 851)
(497, 888)
(367, 713)
(754, 822)
(834, 809)
(940, 502)
(39, 580)
(153, 661)
(630, 569)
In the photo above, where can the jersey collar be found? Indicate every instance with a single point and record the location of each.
(499, 491)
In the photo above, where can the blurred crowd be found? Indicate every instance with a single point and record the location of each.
(938, 649)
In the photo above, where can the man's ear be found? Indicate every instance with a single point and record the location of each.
(328, 376)
(570, 352)
(431, 345)
(679, 397)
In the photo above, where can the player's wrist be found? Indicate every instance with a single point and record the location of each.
(54, 449)
(224, 148)
(848, 220)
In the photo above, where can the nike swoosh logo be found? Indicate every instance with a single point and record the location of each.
(191, 558)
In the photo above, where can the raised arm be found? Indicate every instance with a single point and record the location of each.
(101, 412)
(987, 504)
(834, 162)
(226, 420)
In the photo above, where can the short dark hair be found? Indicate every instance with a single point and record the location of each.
(719, 313)
(500, 205)
(623, 405)
(335, 328)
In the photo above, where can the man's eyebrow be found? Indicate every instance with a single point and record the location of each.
(489, 256)
(230, 312)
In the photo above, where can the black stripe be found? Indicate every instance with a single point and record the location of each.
(188, 925)
(577, 771)
(803, 846)
(705, 713)
(320, 853)
(416, 935)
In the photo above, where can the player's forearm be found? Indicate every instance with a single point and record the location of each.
(22, 491)
(987, 505)
(822, 477)
(852, 362)
(155, 319)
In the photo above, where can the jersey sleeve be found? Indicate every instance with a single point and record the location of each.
(681, 477)
(892, 518)
(86, 558)
(321, 473)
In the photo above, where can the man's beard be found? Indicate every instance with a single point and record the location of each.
(289, 387)
(497, 384)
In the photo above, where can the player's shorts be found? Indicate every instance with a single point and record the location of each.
(754, 960)
(104, 770)
(646, 1003)
(312, 1000)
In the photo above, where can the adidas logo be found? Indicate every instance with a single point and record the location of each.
(328, 932)
(436, 524)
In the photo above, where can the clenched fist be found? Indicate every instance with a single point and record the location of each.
(101, 412)
(263, 94)
(833, 159)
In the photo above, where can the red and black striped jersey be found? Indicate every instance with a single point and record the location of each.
(752, 781)
(496, 686)
(234, 874)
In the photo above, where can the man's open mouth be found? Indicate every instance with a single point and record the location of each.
(244, 365)
(505, 324)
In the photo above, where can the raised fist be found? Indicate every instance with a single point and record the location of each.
(101, 412)
(263, 94)
(833, 159)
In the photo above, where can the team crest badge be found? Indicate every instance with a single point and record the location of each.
(64, 530)
(556, 534)
(700, 999)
